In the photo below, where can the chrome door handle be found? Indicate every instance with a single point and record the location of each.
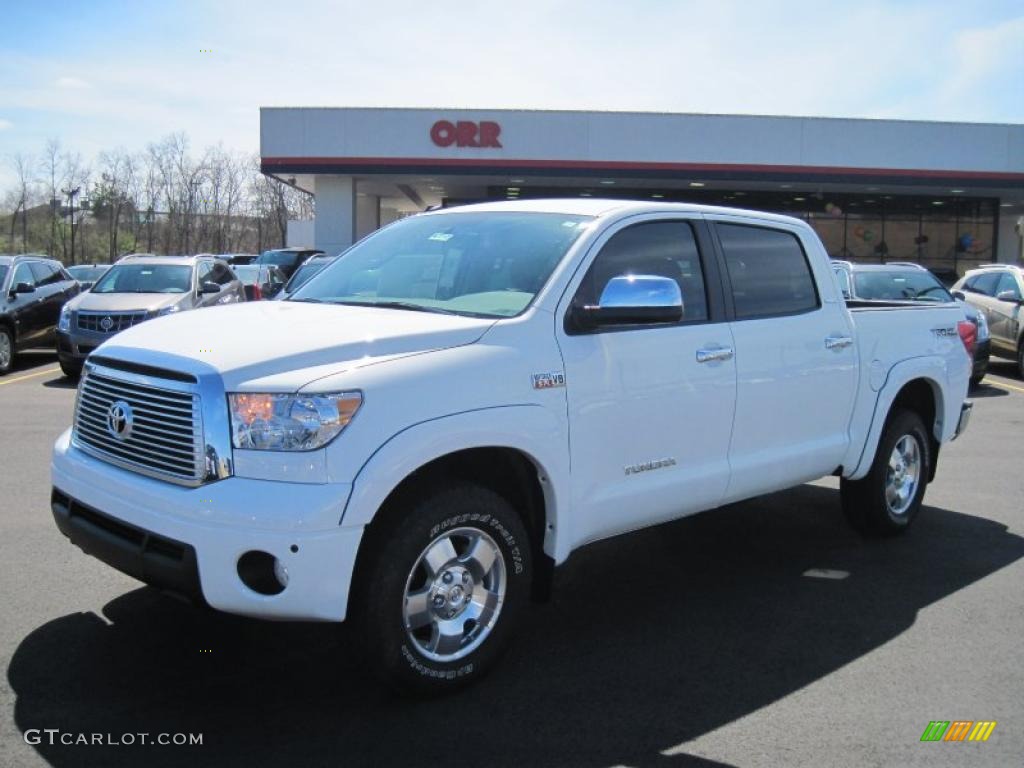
(837, 342)
(714, 355)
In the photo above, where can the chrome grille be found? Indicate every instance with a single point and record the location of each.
(166, 434)
(119, 321)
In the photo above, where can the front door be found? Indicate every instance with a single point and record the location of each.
(1004, 316)
(650, 407)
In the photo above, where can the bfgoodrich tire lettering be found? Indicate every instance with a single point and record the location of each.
(445, 576)
(886, 501)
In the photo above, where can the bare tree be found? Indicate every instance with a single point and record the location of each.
(21, 164)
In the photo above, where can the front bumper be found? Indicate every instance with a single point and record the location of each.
(189, 540)
(965, 418)
(75, 347)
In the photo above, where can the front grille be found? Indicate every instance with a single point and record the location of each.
(109, 322)
(165, 436)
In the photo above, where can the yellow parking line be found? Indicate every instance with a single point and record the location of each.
(37, 373)
(1004, 386)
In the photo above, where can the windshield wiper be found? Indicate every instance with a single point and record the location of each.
(409, 305)
(313, 301)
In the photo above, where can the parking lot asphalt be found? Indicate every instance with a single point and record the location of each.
(698, 643)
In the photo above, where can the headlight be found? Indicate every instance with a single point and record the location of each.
(272, 422)
(168, 310)
(64, 324)
(982, 327)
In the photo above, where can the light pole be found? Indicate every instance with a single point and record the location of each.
(71, 194)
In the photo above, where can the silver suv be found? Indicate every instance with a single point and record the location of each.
(137, 288)
(997, 291)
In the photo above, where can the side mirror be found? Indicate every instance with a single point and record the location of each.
(1008, 296)
(209, 287)
(959, 296)
(633, 300)
(23, 288)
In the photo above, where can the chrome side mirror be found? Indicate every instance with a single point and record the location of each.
(633, 300)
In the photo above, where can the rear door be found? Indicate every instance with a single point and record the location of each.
(650, 411)
(51, 291)
(796, 363)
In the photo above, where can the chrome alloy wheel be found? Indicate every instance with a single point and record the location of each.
(903, 474)
(454, 594)
(5, 350)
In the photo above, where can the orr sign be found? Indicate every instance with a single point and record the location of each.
(465, 133)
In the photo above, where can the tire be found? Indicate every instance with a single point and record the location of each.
(407, 554)
(882, 503)
(976, 380)
(72, 370)
(6, 351)
(1020, 358)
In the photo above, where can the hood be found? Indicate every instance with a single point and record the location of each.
(124, 302)
(284, 345)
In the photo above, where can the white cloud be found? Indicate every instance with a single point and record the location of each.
(74, 83)
(5, 124)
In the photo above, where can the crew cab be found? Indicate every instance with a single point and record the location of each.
(434, 422)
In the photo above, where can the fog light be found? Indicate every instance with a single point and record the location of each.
(261, 572)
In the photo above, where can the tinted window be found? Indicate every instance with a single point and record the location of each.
(3, 273)
(46, 274)
(281, 258)
(900, 285)
(23, 274)
(663, 248)
(984, 283)
(768, 271)
(1007, 282)
(203, 272)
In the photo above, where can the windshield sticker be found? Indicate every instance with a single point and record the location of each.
(441, 237)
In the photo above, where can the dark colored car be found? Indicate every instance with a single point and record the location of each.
(287, 259)
(302, 275)
(905, 281)
(32, 291)
(261, 281)
(88, 274)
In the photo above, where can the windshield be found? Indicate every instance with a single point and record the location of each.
(85, 271)
(3, 273)
(247, 274)
(482, 264)
(909, 285)
(306, 271)
(145, 278)
(278, 258)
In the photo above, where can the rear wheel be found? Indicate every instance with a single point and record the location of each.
(1020, 358)
(6, 351)
(445, 578)
(886, 501)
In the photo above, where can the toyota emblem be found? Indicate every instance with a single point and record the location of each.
(119, 420)
(107, 323)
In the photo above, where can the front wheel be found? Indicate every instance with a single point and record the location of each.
(445, 577)
(1020, 359)
(71, 370)
(886, 501)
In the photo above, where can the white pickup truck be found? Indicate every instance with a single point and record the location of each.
(441, 416)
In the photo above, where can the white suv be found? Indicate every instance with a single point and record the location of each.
(997, 290)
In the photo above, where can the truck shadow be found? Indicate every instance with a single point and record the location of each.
(650, 641)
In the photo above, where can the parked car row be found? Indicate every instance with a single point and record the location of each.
(996, 291)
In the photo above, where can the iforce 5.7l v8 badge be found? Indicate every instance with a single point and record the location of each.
(548, 380)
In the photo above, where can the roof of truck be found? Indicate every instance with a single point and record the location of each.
(595, 206)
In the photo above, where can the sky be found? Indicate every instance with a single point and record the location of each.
(98, 74)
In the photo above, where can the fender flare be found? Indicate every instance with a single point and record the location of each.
(531, 429)
(932, 370)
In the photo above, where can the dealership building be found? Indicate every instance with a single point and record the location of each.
(946, 195)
